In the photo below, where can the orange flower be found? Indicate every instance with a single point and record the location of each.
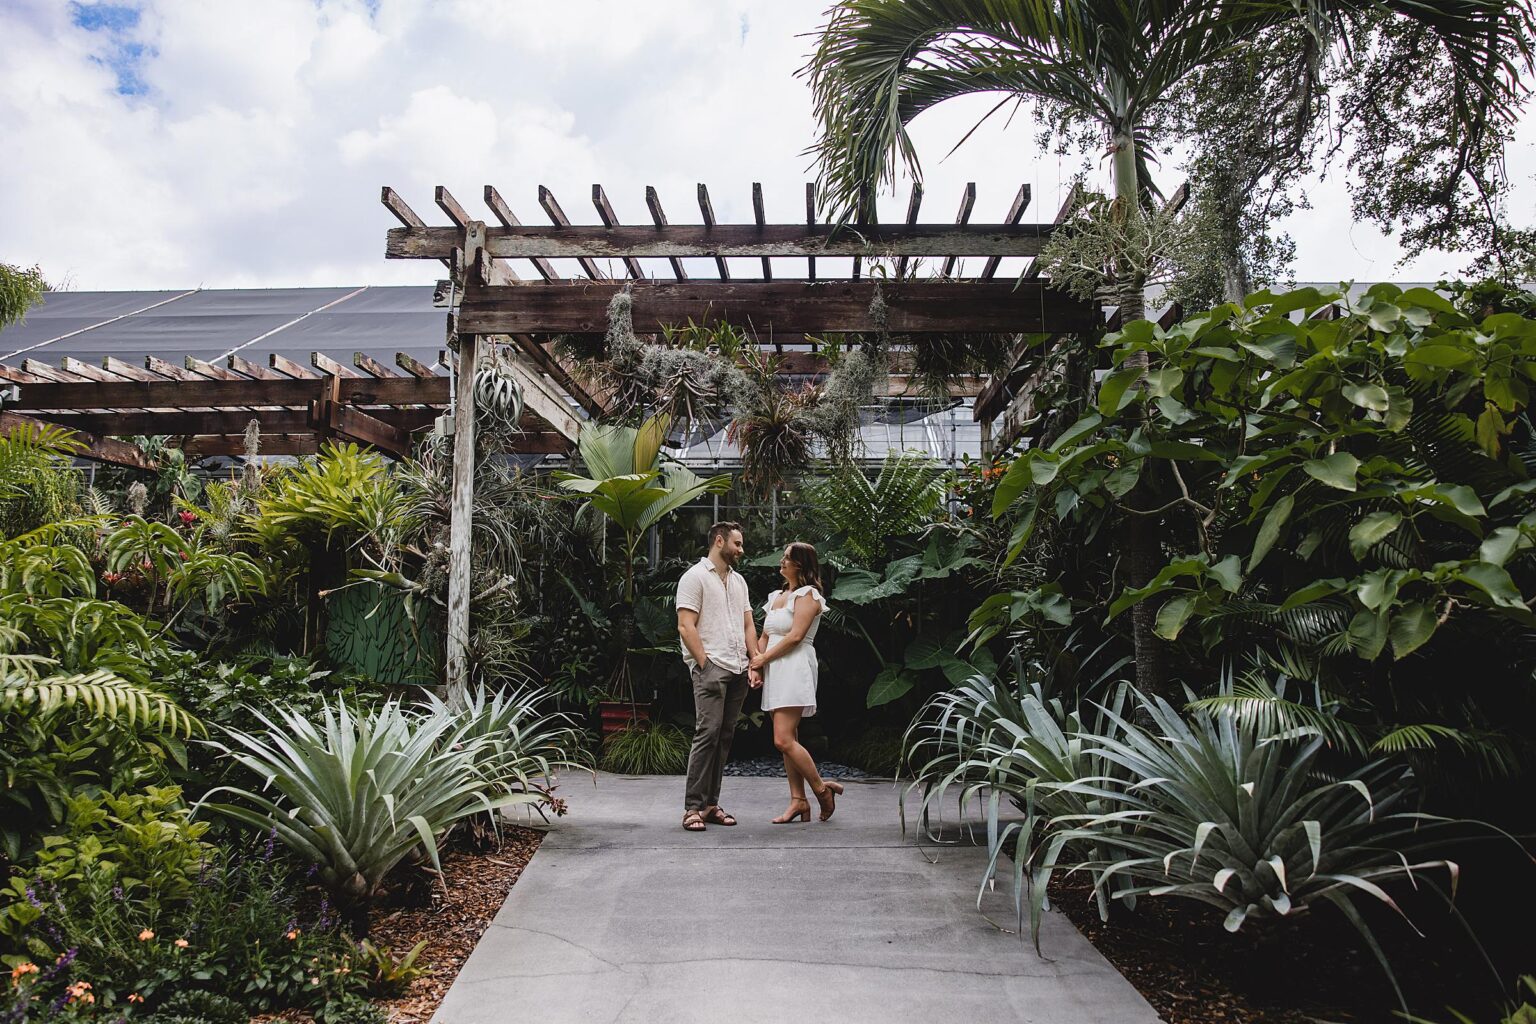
(181, 943)
(293, 935)
(81, 990)
(134, 997)
(22, 970)
(146, 935)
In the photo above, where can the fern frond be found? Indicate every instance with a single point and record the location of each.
(102, 693)
(1254, 702)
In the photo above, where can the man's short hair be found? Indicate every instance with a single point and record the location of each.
(722, 531)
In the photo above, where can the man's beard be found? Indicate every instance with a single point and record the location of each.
(730, 557)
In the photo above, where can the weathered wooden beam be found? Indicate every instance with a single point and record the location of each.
(97, 449)
(503, 212)
(610, 220)
(551, 207)
(659, 218)
(544, 359)
(780, 306)
(233, 444)
(461, 520)
(283, 364)
(355, 425)
(450, 205)
(225, 393)
(242, 365)
(325, 364)
(585, 242)
(542, 398)
(371, 366)
(810, 225)
(224, 421)
(759, 215)
(967, 204)
(914, 203)
(707, 211)
(1015, 214)
(397, 206)
(413, 366)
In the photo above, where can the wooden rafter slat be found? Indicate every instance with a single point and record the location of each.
(38, 368)
(707, 211)
(283, 364)
(610, 220)
(402, 211)
(659, 218)
(967, 204)
(1068, 205)
(503, 213)
(325, 364)
(914, 204)
(16, 376)
(449, 205)
(413, 366)
(760, 215)
(1015, 214)
(781, 306)
(371, 366)
(551, 207)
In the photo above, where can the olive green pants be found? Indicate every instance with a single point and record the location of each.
(717, 699)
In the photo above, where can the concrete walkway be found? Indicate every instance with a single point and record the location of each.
(622, 916)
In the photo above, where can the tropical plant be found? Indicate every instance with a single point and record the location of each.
(345, 494)
(1116, 66)
(207, 1006)
(357, 793)
(20, 290)
(1329, 490)
(865, 514)
(37, 485)
(629, 485)
(657, 748)
(517, 742)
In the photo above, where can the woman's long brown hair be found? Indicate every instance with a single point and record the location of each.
(807, 566)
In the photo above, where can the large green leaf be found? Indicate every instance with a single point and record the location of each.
(1337, 470)
(1272, 529)
(893, 682)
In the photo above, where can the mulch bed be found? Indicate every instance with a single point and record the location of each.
(1315, 969)
(477, 885)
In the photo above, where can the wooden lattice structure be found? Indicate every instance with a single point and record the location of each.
(491, 304)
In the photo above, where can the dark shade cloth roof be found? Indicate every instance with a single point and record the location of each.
(209, 324)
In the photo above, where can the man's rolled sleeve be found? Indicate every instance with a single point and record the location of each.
(690, 592)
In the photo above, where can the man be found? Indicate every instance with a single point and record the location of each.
(714, 621)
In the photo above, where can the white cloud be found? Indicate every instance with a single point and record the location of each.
(254, 153)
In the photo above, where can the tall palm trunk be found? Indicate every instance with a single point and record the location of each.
(1143, 547)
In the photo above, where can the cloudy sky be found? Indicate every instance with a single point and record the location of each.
(242, 143)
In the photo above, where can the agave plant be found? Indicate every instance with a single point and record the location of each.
(357, 793)
(523, 746)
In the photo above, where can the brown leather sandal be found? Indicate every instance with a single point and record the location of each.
(720, 816)
(693, 821)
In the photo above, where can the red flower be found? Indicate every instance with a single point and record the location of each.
(183, 555)
(187, 516)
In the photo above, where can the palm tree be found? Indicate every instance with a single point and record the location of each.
(881, 63)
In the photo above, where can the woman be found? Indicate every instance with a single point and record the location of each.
(787, 660)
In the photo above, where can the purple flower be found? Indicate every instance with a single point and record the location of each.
(266, 853)
(117, 893)
(32, 898)
(60, 964)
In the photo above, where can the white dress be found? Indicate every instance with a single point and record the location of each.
(790, 681)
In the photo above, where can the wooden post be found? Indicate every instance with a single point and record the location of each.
(460, 519)
(462, 497)
(986, 438)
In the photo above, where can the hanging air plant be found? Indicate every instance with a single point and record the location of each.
(498, 397)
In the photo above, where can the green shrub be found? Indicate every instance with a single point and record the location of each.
(351, 1010)
(654, 749)
(877, 750)
(389, 975)
(164, 1017)
(141, 848)
(241, 933)
(208, 1006)
(359, 792)
(1208, 806)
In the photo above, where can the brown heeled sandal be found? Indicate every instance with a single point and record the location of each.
(826, 798)
(799, 807)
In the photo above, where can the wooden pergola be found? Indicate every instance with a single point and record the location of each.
(491, 304)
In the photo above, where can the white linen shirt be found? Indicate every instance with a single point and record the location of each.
(723, 606)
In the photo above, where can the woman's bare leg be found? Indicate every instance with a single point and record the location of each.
(797, 760)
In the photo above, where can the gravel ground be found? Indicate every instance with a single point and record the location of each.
(773, 768)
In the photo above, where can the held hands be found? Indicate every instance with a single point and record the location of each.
(758, 661)
(754, 678)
